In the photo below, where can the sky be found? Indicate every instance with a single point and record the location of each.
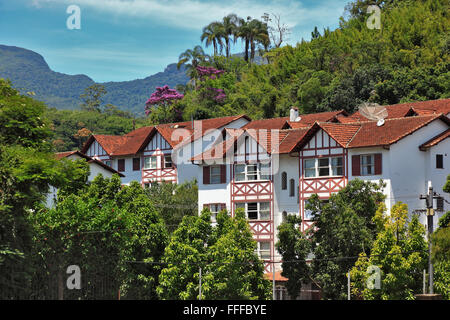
(122, 40)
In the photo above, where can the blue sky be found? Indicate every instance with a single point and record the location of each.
(129, 39)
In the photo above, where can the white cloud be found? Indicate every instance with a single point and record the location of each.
(195, 14)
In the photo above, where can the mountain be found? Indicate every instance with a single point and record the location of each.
(28, 71)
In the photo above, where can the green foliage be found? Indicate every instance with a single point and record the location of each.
(27, 169)
(440, 252)
(223, 252)
(344, 227)
(294, 248)
(400, 251)
(72, 128)
(173, 201)
(92, 97)
(103, 230)
(407, 60)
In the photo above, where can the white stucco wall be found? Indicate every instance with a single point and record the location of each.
(406, 170)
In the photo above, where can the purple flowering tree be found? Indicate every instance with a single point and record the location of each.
(209, 72)
(162, 97)
(217, 95)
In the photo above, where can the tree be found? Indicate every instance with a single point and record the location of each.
(104, 229)
(440, 254)
(191, 59)
(279, 31)
(230, 26)
(27, 169)
(400, 253)
(92, 97)
(173, 201)
(343, 228)
(213, 34)
(225, 253)
(294, 248)
(162, 100)
(234, 271)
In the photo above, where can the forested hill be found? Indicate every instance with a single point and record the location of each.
(28, 71)
(406, 59)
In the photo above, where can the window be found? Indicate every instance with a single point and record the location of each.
(121, 165)
(168, 161)
(263, 250)
(255, 210)
(136, 164)
(440, 204)
(281, 293)
(323, 167)
(291, 188)
(252, 172)
(284, 181)
(150, 162)
(310, 168)
(367, 165)
(439, 161)
(215, 175)
(337, 167)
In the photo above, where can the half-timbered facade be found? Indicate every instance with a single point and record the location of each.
(147, 154)
(321, 159)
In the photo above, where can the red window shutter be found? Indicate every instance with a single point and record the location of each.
(223, 173)
(378, 163)
(206, 178)
(356, 165)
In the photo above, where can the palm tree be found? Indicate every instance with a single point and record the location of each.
(243, 32)
(258, 34)
(194, 57)
(213, 34)
(253, 32)
(230, 28)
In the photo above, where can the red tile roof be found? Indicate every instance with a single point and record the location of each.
(309, 119)
(434, 141)
(306, 120)
(278, 276)
(134, 141)
(61, 155)
(391, 132)
(410, 109)
(368, 133)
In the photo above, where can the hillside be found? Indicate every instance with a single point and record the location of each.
(407, 59)
(28, 71)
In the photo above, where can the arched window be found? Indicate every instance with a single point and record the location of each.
(291, 188)
(284, 181)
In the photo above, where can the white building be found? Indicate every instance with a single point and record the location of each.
(271, 170)
(96, 167)
(159, 153)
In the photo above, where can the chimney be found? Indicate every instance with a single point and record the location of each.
(294, 114)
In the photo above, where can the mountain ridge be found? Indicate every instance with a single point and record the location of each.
(28, 71)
